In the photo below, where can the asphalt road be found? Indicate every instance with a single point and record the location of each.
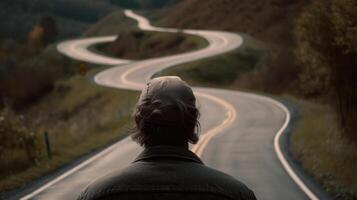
(240, 131)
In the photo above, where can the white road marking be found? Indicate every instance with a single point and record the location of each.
(277, 146)
(283, 160)
(73, 170)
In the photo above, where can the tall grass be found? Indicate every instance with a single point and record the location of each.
(20, 146)
(325, 154)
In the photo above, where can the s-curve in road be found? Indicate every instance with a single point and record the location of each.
(240, 131)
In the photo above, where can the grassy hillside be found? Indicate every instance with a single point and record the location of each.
(111, 24)
(49, 100)
(79, 117)
(224, 70)
(268, 20)
(137, 45)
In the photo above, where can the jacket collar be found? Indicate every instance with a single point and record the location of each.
(168, 152)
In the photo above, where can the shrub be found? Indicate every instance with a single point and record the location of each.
(20, 146)
(278, 74)
(22, 86)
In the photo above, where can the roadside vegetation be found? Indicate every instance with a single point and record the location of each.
(43, 91)
(78, 116)
(318, 145)
(46, 93)
(308, 52)
(327, 50)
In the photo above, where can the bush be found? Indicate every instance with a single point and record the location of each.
(26, 76)
(21, 89)
(278, 74)
(20, 146)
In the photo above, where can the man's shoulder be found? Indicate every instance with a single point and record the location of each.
(167, 177)
(227, 182)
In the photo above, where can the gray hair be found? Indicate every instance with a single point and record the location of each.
(166, 114)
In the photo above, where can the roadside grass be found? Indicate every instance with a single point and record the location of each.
(80, 117)
(317, 143)
(222, 70)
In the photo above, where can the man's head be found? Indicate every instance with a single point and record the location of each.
(166, 113)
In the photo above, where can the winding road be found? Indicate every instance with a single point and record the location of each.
(240, 131)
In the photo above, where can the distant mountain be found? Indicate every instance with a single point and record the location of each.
(17, 17)
(268, 20)
(144, 4)
(73, 17)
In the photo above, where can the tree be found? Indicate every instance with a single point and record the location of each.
(35, 38)
(326, 35)
(49, 27)
(43, 33)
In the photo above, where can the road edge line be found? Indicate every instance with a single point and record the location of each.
(283, 159)
(72, 170)
(277, 147)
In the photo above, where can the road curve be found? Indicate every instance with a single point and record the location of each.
(240, 131)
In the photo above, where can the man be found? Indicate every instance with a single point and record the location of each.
(166, 120)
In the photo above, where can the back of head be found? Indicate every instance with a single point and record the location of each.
(166, 113)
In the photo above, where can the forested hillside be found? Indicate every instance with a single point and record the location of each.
(72, 17)
(144, 4)
(268, 20)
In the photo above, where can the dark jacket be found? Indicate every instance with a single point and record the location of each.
(165, 172)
